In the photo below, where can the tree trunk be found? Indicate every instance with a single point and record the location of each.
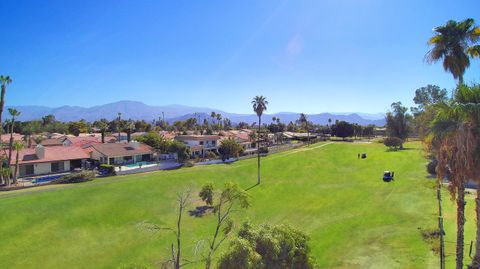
(103, 137)
(460, 80)
(15, 176)
(2, 104)
(179, 221)
(440, 224)
(460, 224)
(208, 261)
(476, 259)
(10, 146)
(258, 148)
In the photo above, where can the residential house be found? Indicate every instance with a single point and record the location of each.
(243, 137)
(28, 141)
(52, 142)
(80, 141)
(47, 160)
(168, 135)
(121, 153)
(200, 144)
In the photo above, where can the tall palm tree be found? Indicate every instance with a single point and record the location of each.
(14, 113)
(102, 125)
(4, 80)
(455, 131)
(468, 107)
(451, 43)
(213, 115)
(18, 146)
(119, 123)
(130, 127)
(304, 121)
(259, 104)
(219, 120)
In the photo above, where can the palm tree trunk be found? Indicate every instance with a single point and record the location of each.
(460, 80)
(15, 176)
(2, 104)
(460, 224)
(258, 148)
(476, 259)
(10, 146)
(440, 224)
(103, 137)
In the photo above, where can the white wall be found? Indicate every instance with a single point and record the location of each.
(44, 168)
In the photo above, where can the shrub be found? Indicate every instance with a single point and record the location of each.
(107, 169)
(76, 177)
(229, 148)
(182, 151)
(210, 155)
(263, 150)
(393, 142)
(188, 163)
(266, 246)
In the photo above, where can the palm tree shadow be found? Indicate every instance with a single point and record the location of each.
(251, 187)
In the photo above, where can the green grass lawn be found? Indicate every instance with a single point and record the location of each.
(354, 219)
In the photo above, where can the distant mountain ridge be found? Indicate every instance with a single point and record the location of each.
(139, 111)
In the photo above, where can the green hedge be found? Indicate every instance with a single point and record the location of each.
(76, 177)
(109, 168)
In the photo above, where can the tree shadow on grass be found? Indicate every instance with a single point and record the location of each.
(200, 211)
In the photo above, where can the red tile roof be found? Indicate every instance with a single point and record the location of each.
(84, 141)
(168, 135)
(52, 154)
(51, 142)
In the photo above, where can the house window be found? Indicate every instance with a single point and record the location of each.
(58, 166)
(201, 142)
(29, 169)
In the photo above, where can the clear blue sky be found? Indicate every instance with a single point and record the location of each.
(305, 56)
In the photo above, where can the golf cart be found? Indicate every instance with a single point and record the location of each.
(388, 176)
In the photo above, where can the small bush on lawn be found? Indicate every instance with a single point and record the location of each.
(107, 169)
(76, 177)
(393, 142)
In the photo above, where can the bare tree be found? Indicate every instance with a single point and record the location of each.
(223, 203)
(176, 248)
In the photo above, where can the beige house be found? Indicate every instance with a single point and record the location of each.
(121, 153)
(200, 144)
(48, 160)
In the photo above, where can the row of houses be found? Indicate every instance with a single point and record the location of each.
(44, 160)
(62, 153)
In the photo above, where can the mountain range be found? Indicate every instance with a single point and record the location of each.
(139, 111)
